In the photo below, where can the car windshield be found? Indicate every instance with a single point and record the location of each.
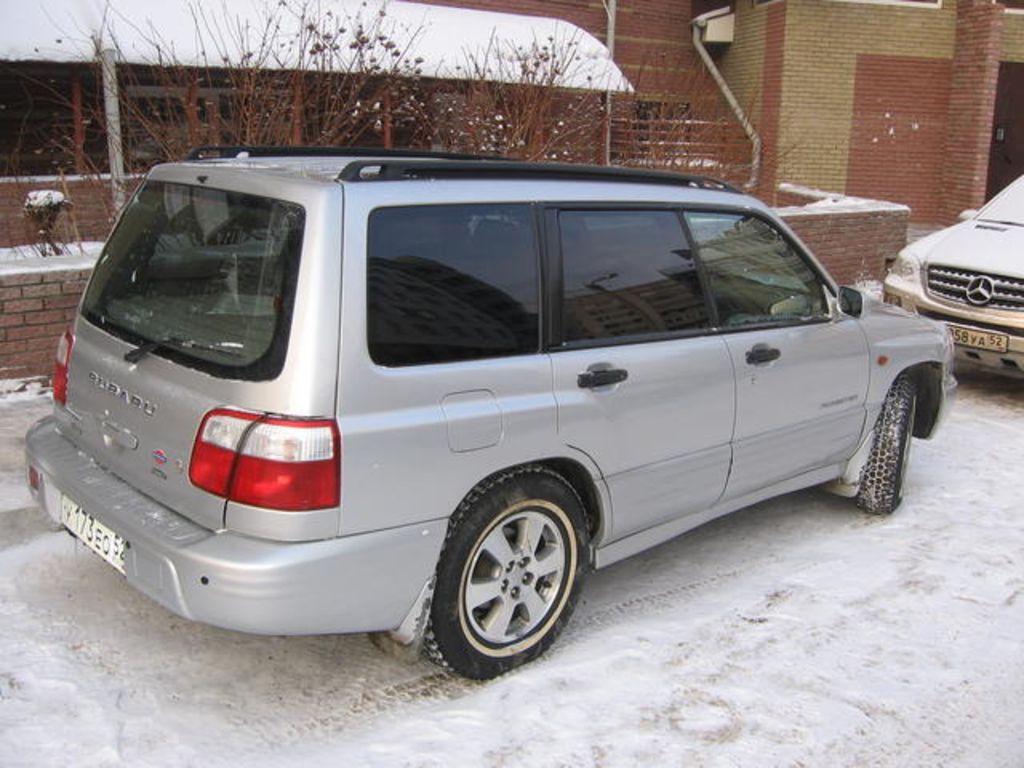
(1007, 207)
(201, 276)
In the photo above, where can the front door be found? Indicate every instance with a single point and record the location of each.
(1006, 155)
(801, 367)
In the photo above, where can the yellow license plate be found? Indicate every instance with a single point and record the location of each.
(968, 337)
(111, 546)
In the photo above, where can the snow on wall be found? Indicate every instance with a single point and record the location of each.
(831, 202)
(44, 198)
(149, 32)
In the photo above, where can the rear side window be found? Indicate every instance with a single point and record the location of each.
(205, 277)
(451, 282)
(627, 273)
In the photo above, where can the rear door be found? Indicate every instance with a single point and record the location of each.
(641, 384)
(801, 366)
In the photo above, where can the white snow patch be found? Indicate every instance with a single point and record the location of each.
(831, 202)
(50, 178)
(445, 39)
(20, 259)
(44, 198)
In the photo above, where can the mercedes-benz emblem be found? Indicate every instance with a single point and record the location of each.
(980, 290)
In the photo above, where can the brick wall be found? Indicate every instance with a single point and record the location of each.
(742, 62)
(972, 102)
(1013, 37)
(886, 100)
(91, 212)
(855, 244)
(823, 40)
(772, 78)
(35, 308)
(898, 137)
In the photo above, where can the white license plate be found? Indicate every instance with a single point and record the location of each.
(968, 337)
(95, 535)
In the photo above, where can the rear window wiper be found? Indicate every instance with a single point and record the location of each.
(172, 342)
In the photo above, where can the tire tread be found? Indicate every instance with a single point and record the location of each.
(881, 490)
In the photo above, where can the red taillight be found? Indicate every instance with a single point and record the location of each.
(61, 365)
(267, 461)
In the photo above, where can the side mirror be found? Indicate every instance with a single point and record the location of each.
(850, 301)
(967, 215)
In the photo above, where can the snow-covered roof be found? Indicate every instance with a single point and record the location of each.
(449, 43)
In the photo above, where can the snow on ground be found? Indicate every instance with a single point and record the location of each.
(799, 632)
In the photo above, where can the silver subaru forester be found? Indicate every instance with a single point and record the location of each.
(316, 391)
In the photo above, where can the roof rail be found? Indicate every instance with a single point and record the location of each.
(219, 151)
(402, 170)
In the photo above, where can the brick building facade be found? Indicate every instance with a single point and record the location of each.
(899, 100)
(914, 101)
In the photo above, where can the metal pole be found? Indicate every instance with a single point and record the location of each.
(112, 112)
(755, 139)
(611, 8)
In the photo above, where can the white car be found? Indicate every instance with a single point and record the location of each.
(971, 276)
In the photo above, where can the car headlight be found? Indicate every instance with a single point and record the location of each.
(907, 265)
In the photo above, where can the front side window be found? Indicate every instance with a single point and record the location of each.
(451, 282)
(205, 277)
(627, 273)
(754, 275)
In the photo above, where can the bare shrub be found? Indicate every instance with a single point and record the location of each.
(43, 208)
(343, 79)
(351, 79)
(692, 133)
(514, 103)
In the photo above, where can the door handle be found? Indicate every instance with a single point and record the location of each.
(761, 354)
(601, 377)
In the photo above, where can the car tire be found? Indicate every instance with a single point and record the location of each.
(509, 575)
(882, 479)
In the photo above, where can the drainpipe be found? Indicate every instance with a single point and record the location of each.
(698, 24)
(611, 9)
(112, 112)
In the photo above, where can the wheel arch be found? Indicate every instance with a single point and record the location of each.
(928, 382)
(579, 477)
(583, 482)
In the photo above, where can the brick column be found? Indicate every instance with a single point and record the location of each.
(972, 101)
(772, 74)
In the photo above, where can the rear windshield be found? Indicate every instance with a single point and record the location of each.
(205, 277)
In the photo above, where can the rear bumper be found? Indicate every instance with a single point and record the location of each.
(358, 583)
